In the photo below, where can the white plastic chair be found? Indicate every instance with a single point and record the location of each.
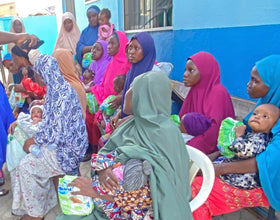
(198, 160)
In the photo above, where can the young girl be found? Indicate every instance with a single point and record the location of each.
(105, 29)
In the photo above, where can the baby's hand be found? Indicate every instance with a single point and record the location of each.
(239, 130)
(36, 120)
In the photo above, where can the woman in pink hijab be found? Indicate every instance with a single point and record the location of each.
(69, 33)
(207, 96)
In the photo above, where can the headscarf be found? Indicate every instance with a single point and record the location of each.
(63, 123)
(6, 118)
(19, 52)
(67, 68)
(146, 64)
(12, 30)
(99, 66)
(152, 135)
(7, 57)
(208, 97)
(68, 40)
(118, 65)
(89, 35)
(268, 161)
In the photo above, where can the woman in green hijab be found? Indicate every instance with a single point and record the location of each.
(149, 135)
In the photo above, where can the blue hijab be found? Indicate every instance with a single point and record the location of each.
(88, 37)
(145, 65)
(6, 118)
(63, 123)
(268, 161)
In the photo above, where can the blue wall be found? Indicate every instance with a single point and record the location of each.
(236, 32)
(42, 26)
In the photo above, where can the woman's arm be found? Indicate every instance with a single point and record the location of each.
(7, 37)
(243, 166)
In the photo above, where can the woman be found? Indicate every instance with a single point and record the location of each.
(69, 34)
(118, 65)
(264, 84)
(148, 135)
(141, 54)
(89, 34)
(101, 59)
(206, 96)
(67, 68)
(17, 26)
(6, 118)
(62, 139)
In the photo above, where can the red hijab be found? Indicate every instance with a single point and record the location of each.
(208, 97)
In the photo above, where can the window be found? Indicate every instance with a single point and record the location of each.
(146, 14)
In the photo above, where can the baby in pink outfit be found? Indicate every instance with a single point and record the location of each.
(106, 29)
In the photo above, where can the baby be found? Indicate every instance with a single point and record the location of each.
(133, 177)
(106, 29)
(193, 124)
(105, 109)
(88, 76)
(25, 127)
(247, 145)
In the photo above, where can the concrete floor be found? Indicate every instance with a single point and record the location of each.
(6, 203)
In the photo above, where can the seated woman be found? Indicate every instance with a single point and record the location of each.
(148, 135)
(118, 65)
(207, 96)
(141, 53)
(34, 192)
(89, 34)
(264, 84)
(67, 68)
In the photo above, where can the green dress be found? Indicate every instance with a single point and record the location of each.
(152, 135)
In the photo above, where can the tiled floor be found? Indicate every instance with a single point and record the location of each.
(6, 203)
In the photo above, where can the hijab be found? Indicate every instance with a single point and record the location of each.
(67, 68)
(12, 30)
(68, 40)
(63, 124)
(268, 161)
(210, 98)
(89, 35)
(118, 65)
(99, 66)
(146, 64)
(152, 135)
(6, 118)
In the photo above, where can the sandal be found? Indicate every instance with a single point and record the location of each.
(88, 154)
(2, 178)
(4, 192)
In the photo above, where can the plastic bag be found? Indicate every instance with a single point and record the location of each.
(105, 106)
(73, 204)
(227, 136)
(92, 103)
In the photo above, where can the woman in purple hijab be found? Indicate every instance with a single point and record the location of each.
(101, 59)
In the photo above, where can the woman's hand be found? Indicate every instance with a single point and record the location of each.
(116, 102)
(218, 169)
(22, 37)
(12, 127)
(108, 179)
(27, 144)
(86, 49)
(114, 120)
(85, 186)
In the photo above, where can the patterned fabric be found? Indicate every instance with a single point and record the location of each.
(225, 198)
(128, 205)
(63, 123)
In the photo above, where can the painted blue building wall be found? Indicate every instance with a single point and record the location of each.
(236, 32)
(44, 27)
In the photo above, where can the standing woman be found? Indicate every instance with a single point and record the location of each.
(89, 35)
(16, 27)
(69, 34)
(207, 96)
(66, 66)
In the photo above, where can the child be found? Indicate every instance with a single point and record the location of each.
(133, 177)
(88, 77)
(26, 127)
(193, 124)
(105, 29)
(105, 108)
(250, 144)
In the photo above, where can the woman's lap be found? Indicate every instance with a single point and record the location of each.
(224, 199)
